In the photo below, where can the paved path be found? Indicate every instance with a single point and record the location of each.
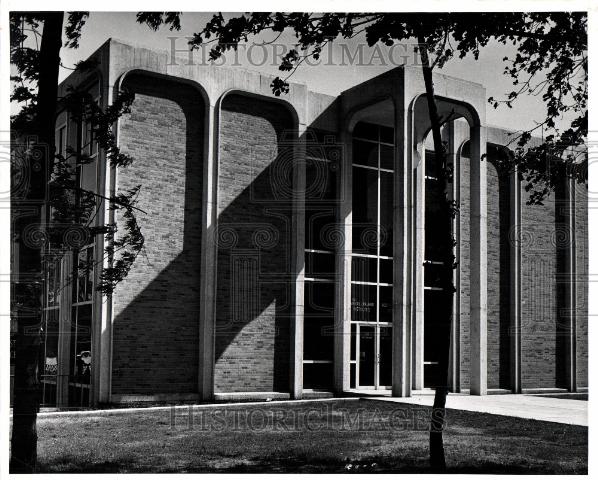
(573, 412)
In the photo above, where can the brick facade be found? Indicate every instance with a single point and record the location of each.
(254, 239)
(154, 347)
(539, 308)
(581, 248)
(464, 265)
(498, 277)
(156, 309)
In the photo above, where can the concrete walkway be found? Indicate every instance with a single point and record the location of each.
(572, 412)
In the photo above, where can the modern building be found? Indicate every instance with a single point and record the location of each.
(290, 242)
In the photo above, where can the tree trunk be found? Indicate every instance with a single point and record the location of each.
(437, 457)
(28, 289)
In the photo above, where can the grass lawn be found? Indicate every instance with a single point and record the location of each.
(331, 436)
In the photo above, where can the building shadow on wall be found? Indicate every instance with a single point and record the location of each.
(255, 271)
(155, 336)
(156, 332)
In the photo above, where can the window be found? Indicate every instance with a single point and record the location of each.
(371, 264)
(60, 140)
(89, 145)
(50, 331)
(372, 256)
(321, 234)
(81, 320)
(436, 229)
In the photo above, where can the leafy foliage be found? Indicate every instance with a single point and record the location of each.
(550, 60)
(71, 205)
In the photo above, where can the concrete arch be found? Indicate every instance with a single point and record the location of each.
(163, 76)
(193, 156)
(451, 108)
(258, 96)
(358, 113)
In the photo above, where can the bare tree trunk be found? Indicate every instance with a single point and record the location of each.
(29, 288)
(437, 456)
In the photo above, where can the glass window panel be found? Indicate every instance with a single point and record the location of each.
(366, 130)
(88, 176)
(433, 318)
(385, 357)
(432, 169)
(365, 210)
(386, 304)
(73, 341)
(317, 376)
(431, 375)
(352, 375)
(434, 196)
(387, 134)
(363, 303)
(53, 285)
(386, 213)
(367, 355)
(364, 269)
(386, 271)
(321, 229)
(365, 153)
(49, 359)
(435, 232)
(51, 343)
(353, 341)
(89, 274)
(387, 157)
(318, 339)
(438, 226)
(83, 344)
(81, 283)
(319, 299)
(319, 265)
(432, 274)
(320, 180)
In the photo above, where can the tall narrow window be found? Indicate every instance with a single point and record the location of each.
(49, 351)
(436, 228)
(321, 236)
(372, 256)
(81, 317)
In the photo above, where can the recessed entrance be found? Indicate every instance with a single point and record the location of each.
(371, 347)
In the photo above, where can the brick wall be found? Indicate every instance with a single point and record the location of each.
(254, 221)
(581, 210)
(464, 265)
(498, 277)
(542, 354)
(156, 309)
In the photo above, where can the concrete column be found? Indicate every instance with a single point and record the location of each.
(207, 317)
(342, 306)
(455, 352)
(515, 281)
(478, 248)
(298, 266)
(403, 257)
(419, 248)
(570, 314)
(102, 356)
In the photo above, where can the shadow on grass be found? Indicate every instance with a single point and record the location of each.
(303, 464)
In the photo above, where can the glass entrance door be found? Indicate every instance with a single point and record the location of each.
(374, 359)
